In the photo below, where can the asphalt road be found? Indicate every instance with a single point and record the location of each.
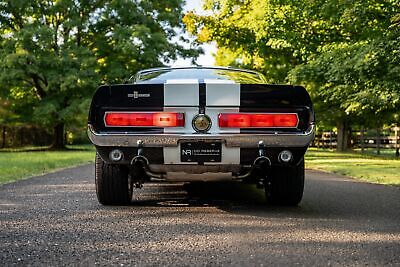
(55, 220)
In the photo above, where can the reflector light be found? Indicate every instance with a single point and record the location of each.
(254, 120)
(144, 119)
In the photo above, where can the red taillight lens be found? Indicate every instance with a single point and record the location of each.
(253, 120)
(144, 119)
(234, 120)
(169, 119)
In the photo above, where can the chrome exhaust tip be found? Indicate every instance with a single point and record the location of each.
(140, 164)
(262, 162)
(140, 161)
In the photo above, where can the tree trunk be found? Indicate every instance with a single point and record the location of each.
(3, 145)
(58, 137)
(378, 141)
(342, 136)
(362, 142)
(349, 133)
(396, 144)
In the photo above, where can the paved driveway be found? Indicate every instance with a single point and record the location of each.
(55, 220)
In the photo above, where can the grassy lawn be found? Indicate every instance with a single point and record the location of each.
(383, 169)
(15, 165)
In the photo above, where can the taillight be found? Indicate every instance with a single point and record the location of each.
(255, 120)
(144, 119)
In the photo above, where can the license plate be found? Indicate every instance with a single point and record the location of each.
(200, 151)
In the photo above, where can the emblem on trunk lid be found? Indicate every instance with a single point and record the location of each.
(201, 123)
(137, 95)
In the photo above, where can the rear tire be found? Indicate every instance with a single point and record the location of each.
(285, 185)
(112, 183)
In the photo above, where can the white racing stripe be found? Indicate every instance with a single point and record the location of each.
(177, 93)
(181, 92)
(172, 154)
(230, 155)
(223, 93)
(183, 96)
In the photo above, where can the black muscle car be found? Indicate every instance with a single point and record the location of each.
(200, 124)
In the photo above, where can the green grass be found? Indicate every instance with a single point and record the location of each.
(376, 169)
(383, 169)
(17, 165)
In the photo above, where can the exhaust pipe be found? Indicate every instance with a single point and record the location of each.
(262, 162)
(260, 168)
(139, 162)
(261, 165)
(140, 167)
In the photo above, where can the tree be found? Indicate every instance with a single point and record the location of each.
(55, 53)
(271, 36)
(344, 52)
(357, 82)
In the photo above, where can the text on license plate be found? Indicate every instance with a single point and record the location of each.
(200, 151)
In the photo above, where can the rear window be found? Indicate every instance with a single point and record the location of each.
(161, 75)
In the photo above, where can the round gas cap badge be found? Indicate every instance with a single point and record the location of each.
(201, 123)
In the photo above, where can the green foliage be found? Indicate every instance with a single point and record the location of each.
(53, 54)
(45, 68)
(360, 80)
(346, 53)
(132, 35)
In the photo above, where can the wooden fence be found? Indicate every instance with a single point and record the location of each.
(21, 136)
(329, 140)
(388, 139)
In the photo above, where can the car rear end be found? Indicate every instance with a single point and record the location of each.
(201, 129)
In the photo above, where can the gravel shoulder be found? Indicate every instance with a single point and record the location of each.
(55, 219)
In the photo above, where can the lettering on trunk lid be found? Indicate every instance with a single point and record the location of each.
(137, 95)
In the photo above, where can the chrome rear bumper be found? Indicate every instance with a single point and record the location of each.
(230, 140)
